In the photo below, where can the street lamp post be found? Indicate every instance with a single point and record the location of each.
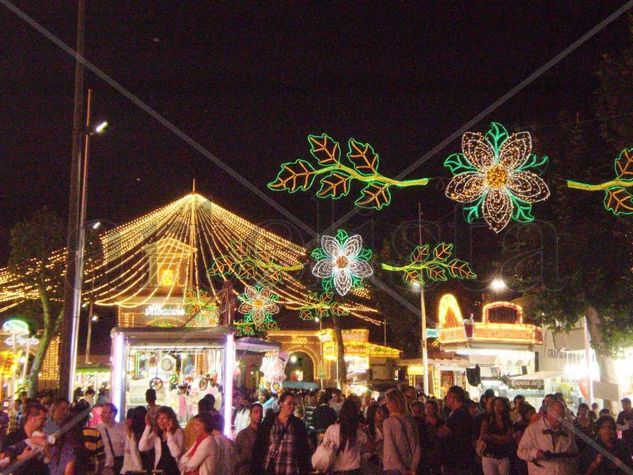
(91, 319)
(72, 300)
(425, 357)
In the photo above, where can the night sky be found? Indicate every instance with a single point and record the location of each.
(249, 81)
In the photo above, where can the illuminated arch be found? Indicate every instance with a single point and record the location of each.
(449, 314)
(511, 307)
(450, 320)
(316, 360)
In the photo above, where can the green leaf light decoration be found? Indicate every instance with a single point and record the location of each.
(617, 198)
(319, 306)
(342, 263)
(249, 268)
(426, 266)
(203, 308)
(497, 176)
(258, 305)
(336, 177)
(243, 328)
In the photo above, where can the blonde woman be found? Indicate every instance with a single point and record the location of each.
(401, 446)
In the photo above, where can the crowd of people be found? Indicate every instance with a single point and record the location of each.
(402, 432)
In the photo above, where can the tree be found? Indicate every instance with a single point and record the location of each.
(583, 267)
(39, 265)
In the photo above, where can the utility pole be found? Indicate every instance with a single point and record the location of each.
(72, 294)
(425, 357)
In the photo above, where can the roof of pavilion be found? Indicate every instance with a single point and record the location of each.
(213, 243)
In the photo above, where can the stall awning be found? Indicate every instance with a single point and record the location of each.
(176, 337)
(538, 375)
(305, 385)
(256, 345)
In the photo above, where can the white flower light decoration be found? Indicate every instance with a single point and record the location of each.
(493, 175)
(258, 305)
(342, 262)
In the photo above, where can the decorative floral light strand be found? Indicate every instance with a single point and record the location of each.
(337, 177)
(319, 306)
(440, 265)
(258, 305)
(617, 198)
(498, 175)
(342, 262)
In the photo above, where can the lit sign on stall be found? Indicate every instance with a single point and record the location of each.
(156, 310)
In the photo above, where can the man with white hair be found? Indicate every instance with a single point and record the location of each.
(548, 445)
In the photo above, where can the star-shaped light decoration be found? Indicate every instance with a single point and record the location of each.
(495, 174)
(258, 306)
(342, 262)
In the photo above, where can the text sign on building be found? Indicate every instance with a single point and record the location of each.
(156, 310)
(527, 384)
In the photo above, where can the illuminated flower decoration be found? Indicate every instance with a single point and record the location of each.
(498, 175)
(341, 262)
(258, 305)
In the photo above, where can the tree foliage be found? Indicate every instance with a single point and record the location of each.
(577, 261)
(32, 256)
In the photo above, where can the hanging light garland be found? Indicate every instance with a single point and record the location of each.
(497, 175)
(124, 275)
(342, 262)
(336, 177)
(439, 265)
(617, 197)
(258, 306)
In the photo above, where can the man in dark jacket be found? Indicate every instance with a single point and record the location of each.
(456, 449)
(324, 415)
(281, 447)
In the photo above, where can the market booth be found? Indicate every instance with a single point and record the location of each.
(500, 348)
(172, 360)
(182, 364)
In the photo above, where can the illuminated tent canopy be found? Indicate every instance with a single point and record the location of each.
(183, 252)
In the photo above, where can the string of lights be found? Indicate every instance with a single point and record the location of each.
(145, 260)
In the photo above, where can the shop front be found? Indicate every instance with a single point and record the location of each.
(499, 348)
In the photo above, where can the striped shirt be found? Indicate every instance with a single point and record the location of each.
(94, 446)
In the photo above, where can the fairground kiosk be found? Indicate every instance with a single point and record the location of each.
(178, 342)
(500, 348)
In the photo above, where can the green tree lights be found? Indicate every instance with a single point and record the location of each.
(336, 177)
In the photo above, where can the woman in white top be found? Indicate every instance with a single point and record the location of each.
(167, 440)
(401, 446)
(349, 440)
(135, 424)
(201, 457)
